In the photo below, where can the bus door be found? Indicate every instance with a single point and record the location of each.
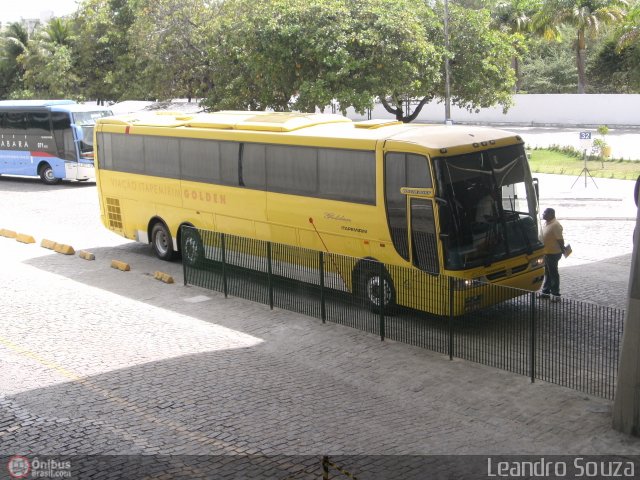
(423, 247)
(409, 203)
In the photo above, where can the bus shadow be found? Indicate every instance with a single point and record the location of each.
(34, 184)
(340, 306)
(499, 336)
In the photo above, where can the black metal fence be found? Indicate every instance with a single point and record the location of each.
(570, 343)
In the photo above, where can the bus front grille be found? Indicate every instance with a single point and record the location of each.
(519, 268)
(114, 216)
(497, 275)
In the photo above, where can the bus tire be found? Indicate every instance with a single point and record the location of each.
(369, 289)
(162, 242)
(192, 248)
(46, 175)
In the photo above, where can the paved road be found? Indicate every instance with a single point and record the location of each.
(95, 360)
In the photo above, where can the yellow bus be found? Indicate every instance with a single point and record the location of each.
(440, 200)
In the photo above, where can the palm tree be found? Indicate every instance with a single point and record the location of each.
(14, 41)
(57, 32)
(631, 29)
(586, 16)
(515, 17)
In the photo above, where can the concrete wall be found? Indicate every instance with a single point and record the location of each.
(565, 109)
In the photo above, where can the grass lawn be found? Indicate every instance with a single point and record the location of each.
(548, 161)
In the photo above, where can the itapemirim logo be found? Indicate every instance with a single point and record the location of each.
(18, 466)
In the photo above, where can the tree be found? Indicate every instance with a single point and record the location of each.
(615, 70)
(303, 54)
(398, 57)
(101, 48)
(13, 44)
(57, 32)
(282, 54)
(616, 67)
(516, 18)
(630, 32)
(169, 40)
(585, 16)
(481, 70)
(549, 67)
(49, 72)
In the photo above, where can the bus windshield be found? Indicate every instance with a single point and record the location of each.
(487, 207)
(86, 121)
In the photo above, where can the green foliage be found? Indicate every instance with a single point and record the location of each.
(614, 70)
(168, 40)
(585, 17)
(481, 67)
(304, 54)
(549, 68)
(101, 48)
(49, 73)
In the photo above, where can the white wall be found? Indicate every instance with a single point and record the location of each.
(565, 109)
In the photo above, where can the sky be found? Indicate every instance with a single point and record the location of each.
(14, 10)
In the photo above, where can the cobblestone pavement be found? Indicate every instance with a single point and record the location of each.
(99, 361)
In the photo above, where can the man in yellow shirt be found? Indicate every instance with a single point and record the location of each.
(553, 250)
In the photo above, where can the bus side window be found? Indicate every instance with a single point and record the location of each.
(16, 123)
(39, 131)
(63, 135)
(38, 124)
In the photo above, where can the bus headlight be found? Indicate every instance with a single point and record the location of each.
(537, 262)
(467, 283)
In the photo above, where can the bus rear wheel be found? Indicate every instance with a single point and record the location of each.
(375, 289)
(162, 242)
(47, 176)
(192, 248)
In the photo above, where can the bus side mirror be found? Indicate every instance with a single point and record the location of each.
(536, 187)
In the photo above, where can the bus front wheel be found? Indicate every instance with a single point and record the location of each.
(377, 289)
(47, 176)
(162, 242)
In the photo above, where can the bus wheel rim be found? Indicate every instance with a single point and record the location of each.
(191, 249)
(373, 291)
(162, 242)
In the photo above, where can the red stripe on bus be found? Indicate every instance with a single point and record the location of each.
(41, 154)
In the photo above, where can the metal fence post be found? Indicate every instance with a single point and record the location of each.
(451, 318)
(270, 274)
(325, 467)
(532, 342)
(224, 266)
(184, 264)
(323, 307)
(381, 297)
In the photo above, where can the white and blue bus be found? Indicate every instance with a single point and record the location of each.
(52, 139)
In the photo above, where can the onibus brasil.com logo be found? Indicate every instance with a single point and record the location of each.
(21, 467)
